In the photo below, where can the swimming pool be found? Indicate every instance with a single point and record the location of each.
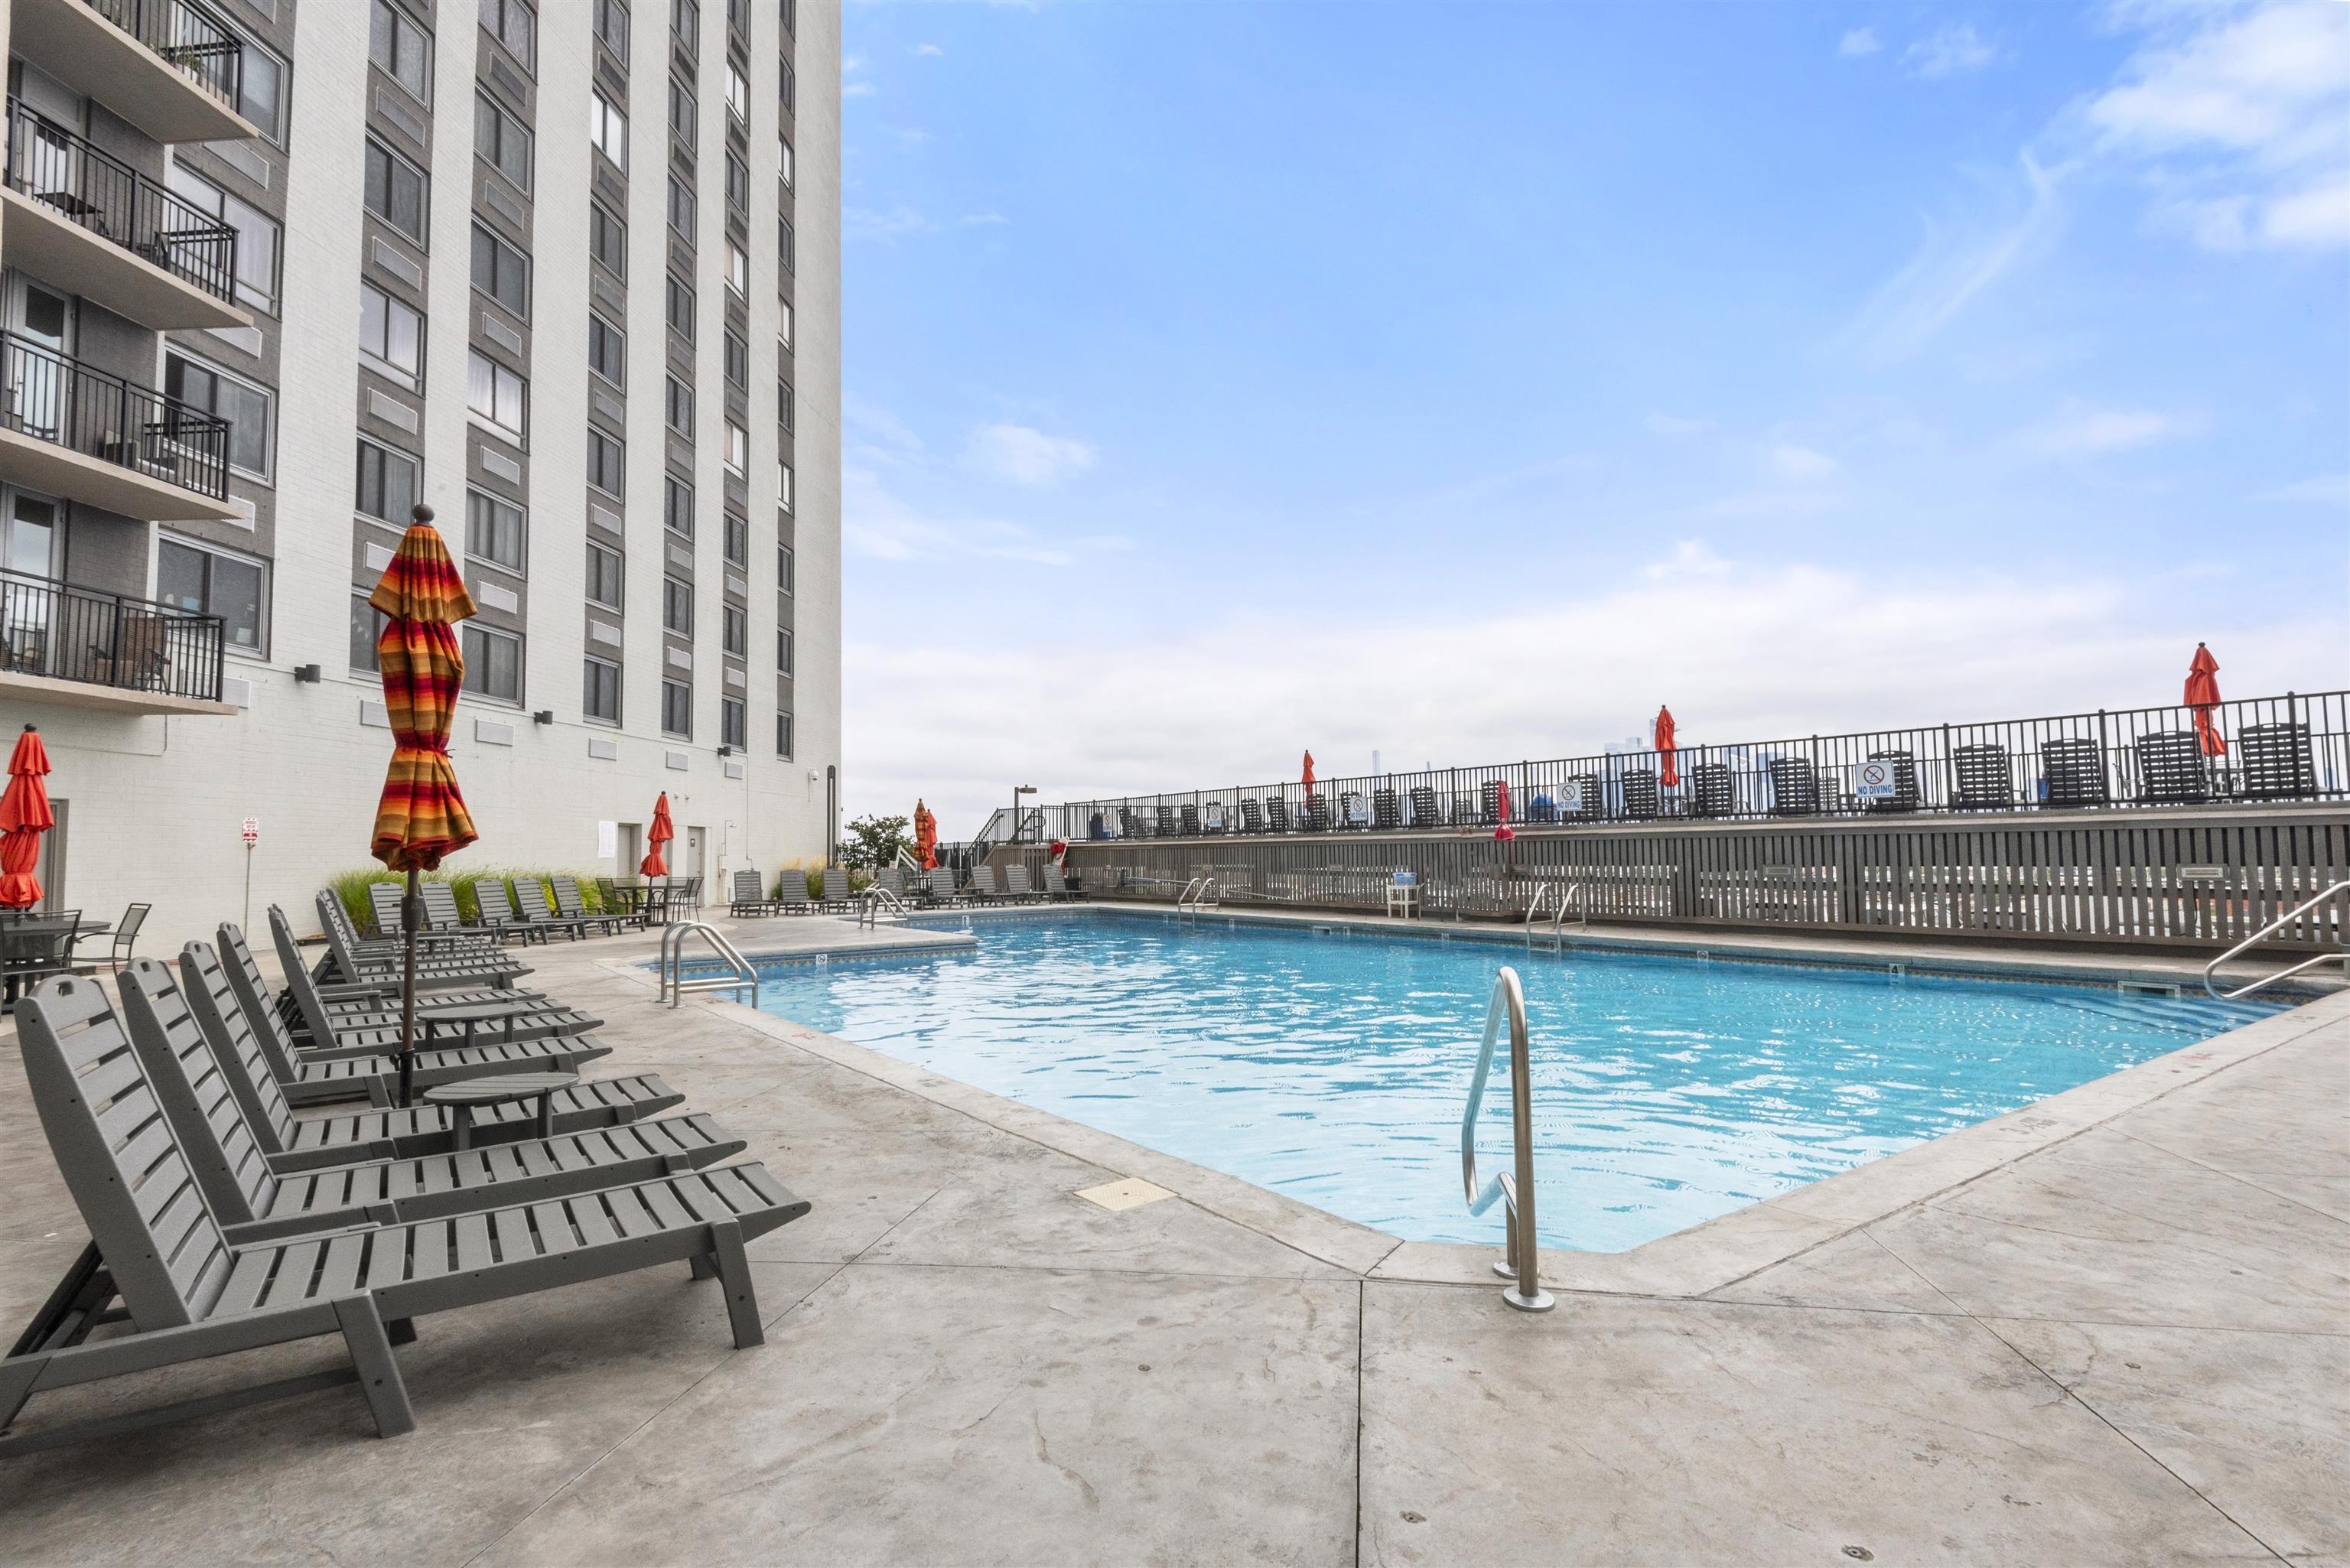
(1332, 1067)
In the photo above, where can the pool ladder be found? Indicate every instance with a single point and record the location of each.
(1563, 896)
(1199, 893)
(740, 979)
(2342, 956)
(877, 904)
(1520, 1263)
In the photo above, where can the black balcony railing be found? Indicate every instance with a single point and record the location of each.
(68, 633)
(113, 201)
(66, 402)
(2295, 747)
(192, 38)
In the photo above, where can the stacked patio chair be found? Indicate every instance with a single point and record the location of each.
(2171, 770)
(1317, 814)
(2276, 761)
(1252, 817)
(1713, 789)
(939, 886)
(2071, 772)
(572, 905)
(1905, 797)
(1423, 805)
(1016, 887)
(836, 893)
(750, 897)
(1639, 793)
(1980, 779)
(531, 901)
(1794, 787)
(1276, 813)
(464, 960)
(1387, 811)
(1187, 819)
(220, 1222)
(369, 1016)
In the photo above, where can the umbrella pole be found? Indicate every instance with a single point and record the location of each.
(411, 915)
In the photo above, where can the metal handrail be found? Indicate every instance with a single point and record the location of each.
(98, 192)
(1515, 1186)
(1199, 893)
(870, 902)
(741, 977)
(1534, 908)
(61, 400)
(2262, 935)
(1558, 923)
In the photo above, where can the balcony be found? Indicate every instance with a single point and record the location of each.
(75, 431)
(91, 222)
(81, 647)
(169, 67)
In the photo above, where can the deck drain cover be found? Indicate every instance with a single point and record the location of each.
(1131, 1193)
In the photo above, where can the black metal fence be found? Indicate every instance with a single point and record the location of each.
(105, 196)
(68, 633)
(70, 404)
(2293, 747)
(192, 38)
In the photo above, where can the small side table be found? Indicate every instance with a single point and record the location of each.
(462, 1097)
(472, 1018)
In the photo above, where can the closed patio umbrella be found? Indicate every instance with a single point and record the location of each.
(1308, 780)
(25, 816)
(2203, 696)
(659, 834)
(1668, 776)
(926, 837)
(422, 815)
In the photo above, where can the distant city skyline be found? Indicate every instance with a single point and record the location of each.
(1463, 382)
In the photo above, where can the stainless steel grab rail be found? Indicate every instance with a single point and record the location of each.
(2342, 957)
(1199, 893)
(741, 977)
(874, 900)
(1521, 1262)
(1560, 895)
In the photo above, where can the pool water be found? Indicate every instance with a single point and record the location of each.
(1333, 1067)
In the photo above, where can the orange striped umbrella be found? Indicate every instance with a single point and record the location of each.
(25, 816)
(422, 815)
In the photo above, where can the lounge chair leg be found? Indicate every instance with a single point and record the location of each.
(75, 1296)
(401, 1331)
(18, 1375)
(704, 1269)
(735, 1278)
(380, 1379)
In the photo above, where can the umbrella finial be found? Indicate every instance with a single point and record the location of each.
(419, 513)
(28, 729)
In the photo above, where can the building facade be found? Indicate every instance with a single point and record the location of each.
(274, 276)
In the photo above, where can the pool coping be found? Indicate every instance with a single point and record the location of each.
(1701, 1259)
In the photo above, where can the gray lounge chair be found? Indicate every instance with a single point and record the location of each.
(475, 960)
(890, 879)
(750, 896)
(939, 886)
(836, 893)
(1015, 886)
(190, 1293)
(353, 1017)
(1056, 886)
(530, 902)
(442, 928)
(498, 915)
(981, 889)
(791, 893)
(572, 905)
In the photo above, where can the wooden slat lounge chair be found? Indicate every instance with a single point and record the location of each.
(1016, 890)
(981, 889)
(572, 905)
(498, 917)
(1794, 786)
(190, 1292)
(370, 1022)
(2171, 770)
(1130, 825)
(464, 960)
(531, 903)
(2071, 772)
(939, 886)
(837, 895)
(1055, 886)
(890, 879)
(791, 893)
(623, 902)
(337, 1001)
(1252, 817)
(1276, 813)
(1980, 778)
(441, 912)
(193, 1063)
(750, 896)
(2276, 759)
(1423, 805)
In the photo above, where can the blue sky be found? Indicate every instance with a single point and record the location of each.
(1462, 382)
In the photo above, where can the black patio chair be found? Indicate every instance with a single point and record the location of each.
(126, 936)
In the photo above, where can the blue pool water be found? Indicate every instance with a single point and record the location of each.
(1333, 1068)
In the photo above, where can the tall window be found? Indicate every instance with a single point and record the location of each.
(256, 236)
(731, 723)
(735, 629)
(784, 485)
(514, 24)
(493, 663)
(738, 270)
(601, 697)
(738, 183)
(607, 461)
(783, 650)
(402, 49)
(677, 505)
(783, 567)
(395, 190)
(738, 540)
(603, 576)
(681, 308)
(784, 736)
(191, 577)
(496, 394)
(677, 709)
(612, 26)
(366, 625)
(608, 130)
(244, 406)
(784, 403)
(677, 603)
(681, 207)
(786, 142)
(787, 91)
(784, 242)
(500, 138)
(493, 530)
(738, 359)
(738, 447)
(261, 90)
(607, 349)
(682, 112)
(784, 325)
(387, 483)
(501, 271)
(685, 20)
(608, 239)
(679, 404)
(392, 337)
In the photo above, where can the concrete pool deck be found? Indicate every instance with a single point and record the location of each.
(2112, 1328)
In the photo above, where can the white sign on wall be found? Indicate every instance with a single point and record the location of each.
(1874, 782)
(252, 831)
(608, 840)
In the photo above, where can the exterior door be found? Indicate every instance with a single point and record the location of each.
(42, 321)
(694, 843)
(28, 563)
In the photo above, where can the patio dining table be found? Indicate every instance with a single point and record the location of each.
(33, 947)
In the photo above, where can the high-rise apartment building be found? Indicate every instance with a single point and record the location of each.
(275, 275)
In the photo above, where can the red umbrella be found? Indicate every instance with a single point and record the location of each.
(25, 816)
(926, 837)
(660, 833)
(2202, 695)
(1668, 776)
(1502, 809)
(1309, 770)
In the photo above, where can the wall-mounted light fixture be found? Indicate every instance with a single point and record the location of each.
(726, 751)
(306, 674)
(544, 716)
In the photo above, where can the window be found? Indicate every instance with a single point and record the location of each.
(682, 111)
(731, 724)
(783, 650)
(784, 242)
(496, 394)
(783, 567)
(392, 337)
(784, 736)
(607, 461)
(677, 505)
(256, 236)
(783, 327)
(738, 540)
(784, 485)
(607, 349)
(681, 207)
(738, 447)
(601, 697)
(608, 239)
(493, 530)
(612, 26)
(387, 483)
(738, 270)
(784, 143)
(685, 20)
(676, 604)
(738, 93)
(500, 138)
(604, 575)
(784, 403)
(493, 663)
(738, 183)
(735, 629)
(681, 308)
(501, 271)
(677, 709)
(395, 190)
(190, 578)
(608, 130)
(367, 625)
(514, 24)
(786, 91)
(261, 88)
(738, 359)
(245, 407)
(402, 49)
(680, 407)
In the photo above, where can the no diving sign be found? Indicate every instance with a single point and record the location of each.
(1875, 782)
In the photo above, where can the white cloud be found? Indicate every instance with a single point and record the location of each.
(1691, 559)
(1025, 455)
(877, 429)
(1859, 41)
(872, 223)
(878, 525)
(2078, 430)
(982, 219)
(2326, 489)
(850, 86)
(1948, 50)
(931, 50)
(857, 90)
(1800, 462)
(1672, 426)
(1958, 259)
